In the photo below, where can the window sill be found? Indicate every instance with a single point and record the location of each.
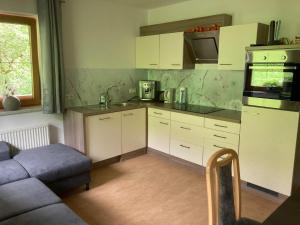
(21, 110)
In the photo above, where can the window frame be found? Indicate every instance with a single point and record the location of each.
(35, 98)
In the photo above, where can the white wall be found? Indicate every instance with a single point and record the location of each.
(242, 12)
(100, 34)
(18, 6)
(12, 122)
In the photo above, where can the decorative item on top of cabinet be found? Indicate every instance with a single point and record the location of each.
(234, 40)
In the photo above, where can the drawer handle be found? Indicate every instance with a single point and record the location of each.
(105, 118)
(225, 64)
(163, 123)
(153, 64)
(218, 125)
(185, 128)
(218, 136)
(176, 64)
(128, 114)
(157, 113)
(217, 146)
(183, 146)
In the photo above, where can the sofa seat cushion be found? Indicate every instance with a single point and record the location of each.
(10, 171)
(4, 151)
(57, 214)
(23, 196)
(53, 162)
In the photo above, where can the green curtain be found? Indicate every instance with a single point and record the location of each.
(52, 65)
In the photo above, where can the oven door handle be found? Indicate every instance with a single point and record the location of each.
(273, 67)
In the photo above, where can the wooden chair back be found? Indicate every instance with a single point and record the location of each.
(218, 161)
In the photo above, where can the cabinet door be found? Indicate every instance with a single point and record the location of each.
(267, 147)
(159, 134)
(212, 146)
(103, 136)
(147, 52)
(187, 151)
(233, 41)
(171, 50)
(133, 130)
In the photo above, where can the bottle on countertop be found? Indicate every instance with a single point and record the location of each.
(183, 95)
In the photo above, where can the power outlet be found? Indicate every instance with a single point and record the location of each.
(132, 91)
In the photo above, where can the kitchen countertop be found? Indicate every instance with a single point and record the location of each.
(222, 114)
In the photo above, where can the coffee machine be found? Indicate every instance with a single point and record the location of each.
(147, 90)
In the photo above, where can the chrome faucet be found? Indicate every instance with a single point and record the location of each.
(107, 96)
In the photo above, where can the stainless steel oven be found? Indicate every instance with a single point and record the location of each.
(273, 74)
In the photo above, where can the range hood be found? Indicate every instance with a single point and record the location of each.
(203, 47)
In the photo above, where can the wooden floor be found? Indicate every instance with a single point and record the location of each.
(151, 189)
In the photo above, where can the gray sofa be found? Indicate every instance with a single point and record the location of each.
(25, 197)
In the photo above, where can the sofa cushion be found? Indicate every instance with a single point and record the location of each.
(57, 214)
(4, 151)
(10, 171)
(53, 162)
(23, 196)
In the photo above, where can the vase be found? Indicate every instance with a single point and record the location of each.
(11, 103)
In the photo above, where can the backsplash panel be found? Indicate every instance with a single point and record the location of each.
(211, 87)
(84, 86)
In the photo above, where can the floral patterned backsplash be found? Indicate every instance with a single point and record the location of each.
(84, 86)
(211, 87)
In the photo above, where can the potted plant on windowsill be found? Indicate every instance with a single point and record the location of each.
(10, 102)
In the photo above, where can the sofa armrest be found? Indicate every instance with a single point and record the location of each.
(4, 151)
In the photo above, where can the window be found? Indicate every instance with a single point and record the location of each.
(19, 68)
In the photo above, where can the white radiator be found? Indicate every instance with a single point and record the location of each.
(27, 138)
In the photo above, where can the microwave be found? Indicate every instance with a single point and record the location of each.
(273, 74)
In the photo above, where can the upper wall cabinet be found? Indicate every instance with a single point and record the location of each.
(147, 52)
(169, 50)
(234, 40)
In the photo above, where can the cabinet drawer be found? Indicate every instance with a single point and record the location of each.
(189, 119)
(187, 151)
(159, 113)
(210, 147)
(221, 136)
(222, 126)
(186, 132)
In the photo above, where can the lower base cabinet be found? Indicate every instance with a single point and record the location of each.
(159, 134)
(103, 136)
(133, 130)
(268, 148)
(187, 151)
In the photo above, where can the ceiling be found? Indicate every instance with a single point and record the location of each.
(148, 4)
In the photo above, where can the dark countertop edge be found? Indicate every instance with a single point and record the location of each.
(224, 114)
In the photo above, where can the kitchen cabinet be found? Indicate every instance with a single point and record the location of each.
(268, 146)
(171, 51)
(147, 52)
(187, 137)
(164, 51)
(218, 135)
(234, 40)
(159, 130)
(133, 130)
(103, 136)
